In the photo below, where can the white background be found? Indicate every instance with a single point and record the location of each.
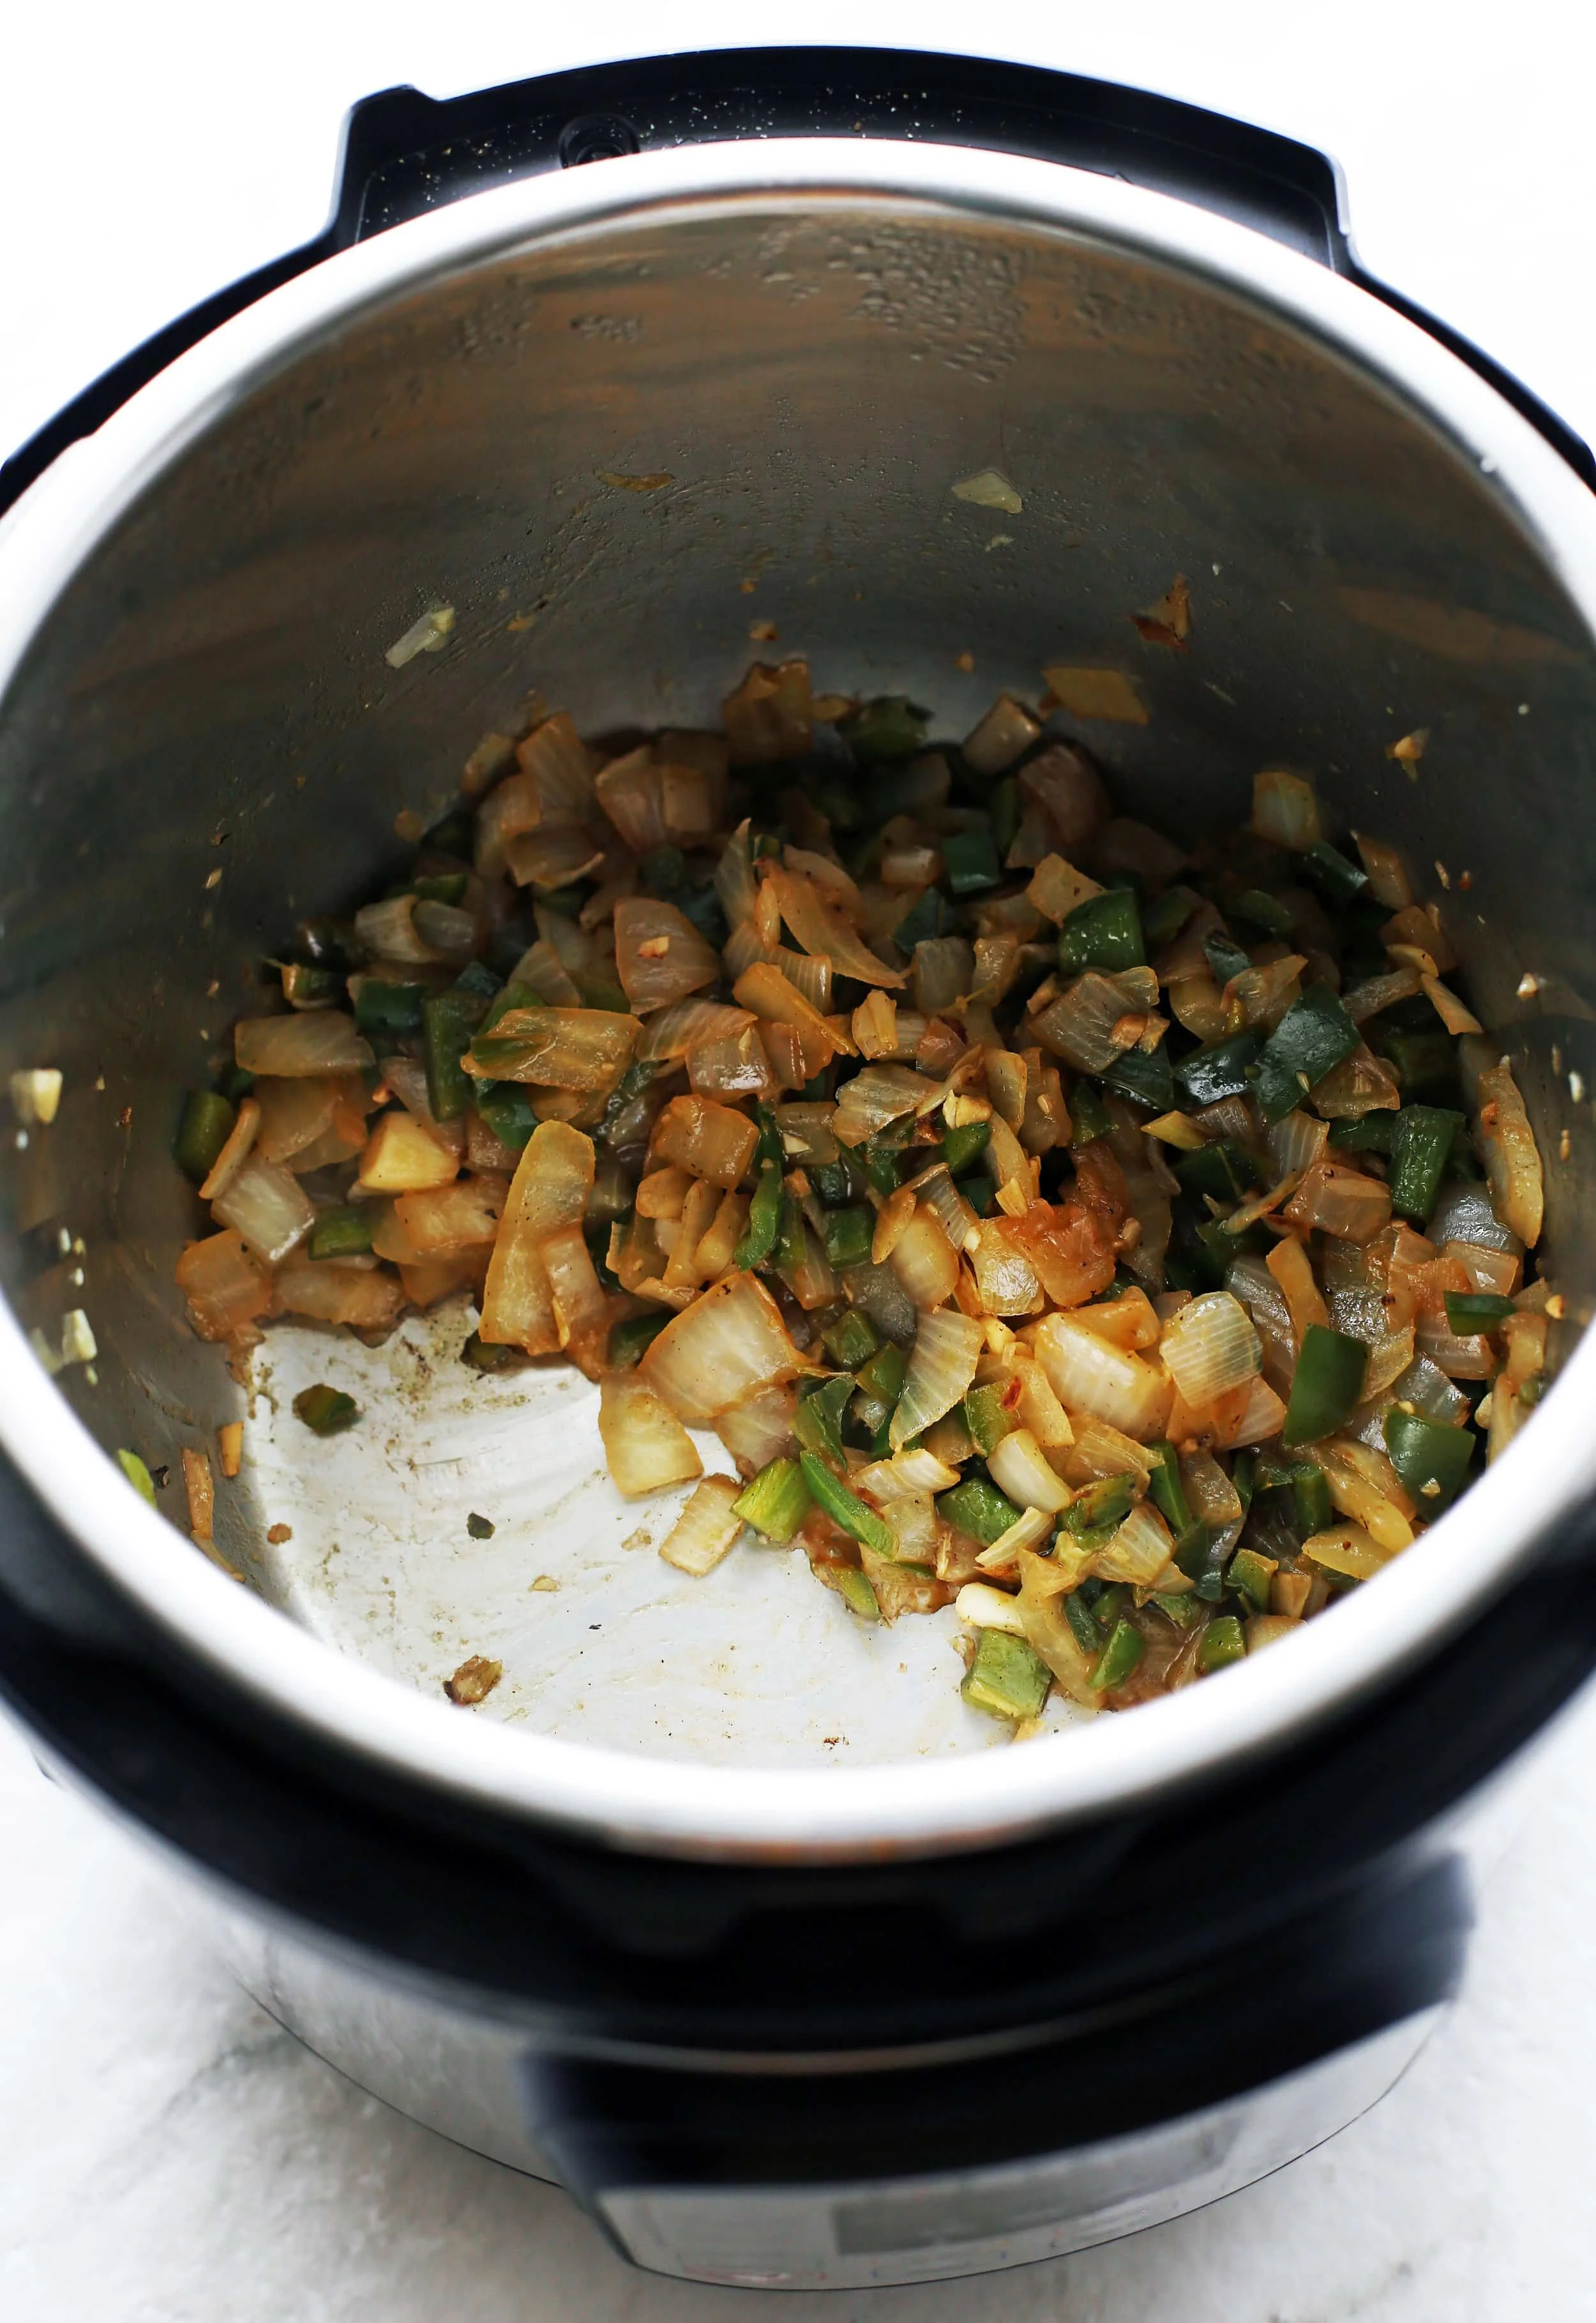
(166, 2154)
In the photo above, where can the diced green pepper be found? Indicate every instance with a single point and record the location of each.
(1373, 1133)
(1262, 910)
(1185, 1610)
(1310, 1496)
(776, 1502)
(791, 1240)
(1163, 920)
(985, 1416)
(926, 918)
(662, 871)
(1223, 1642)
(511, 996)
(1105, 932)
(887, 728)
(1328, 1386)
(845, 1507)
(978, 1508)
(1249, 1577)
(818, 1423)
(1147, 1079)
(448, 1019)
(326, 1410)
(838, 1183)
(1336, 878)
(1240, 1477)
(204, 1128)
(1221, 1069)
(1090, 1118)
(1426, 1062)
(962, 1146)
(234, 1083)
(486, 1355)
(882, 1378)
(847, 1234)
(1107, 1502)
(388, 1007)
(979, 1192)
(768, 1147)
(970, 860)
(138, 1475)
(1312, 1038)
(856, 1592)
(477, 976)
(1431, 1459)
(629, 1339)
(448, 888)
(882, 1162)
(1082, 1622)
(1225, 957)
(765, 1218)
(851, 1340)
(342, 1232)
(1119, 1659)
(1221, 1170)
(308, 987)
(1420, 1144)
(1470, 1312)
(1202, 1560)
(508, 1109)
(1169, 1497)
(480, 1528)
(1007, 1677)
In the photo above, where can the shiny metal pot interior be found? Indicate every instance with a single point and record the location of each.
(610, 419)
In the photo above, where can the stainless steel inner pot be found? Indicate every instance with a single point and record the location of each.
(611, 419)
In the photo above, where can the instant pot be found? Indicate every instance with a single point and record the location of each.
(603, 364)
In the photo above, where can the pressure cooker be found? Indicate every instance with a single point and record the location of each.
(586, 370)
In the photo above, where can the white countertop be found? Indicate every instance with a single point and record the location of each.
(167, 2153)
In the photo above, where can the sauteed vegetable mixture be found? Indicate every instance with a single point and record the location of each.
(1124, 1243)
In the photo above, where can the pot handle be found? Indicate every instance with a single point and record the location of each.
(403, 153)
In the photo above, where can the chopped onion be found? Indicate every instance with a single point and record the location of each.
(947, 1348)
(236, 1152)
(1047, 1627)
(942, 969)
(817, 926)
(1264, 994)
(734, 878)
(403, 1156)
(659, 954)
(1341, 1202)
(1377, 993)
(1005, 734)
(550, 1190)
(294, 1114)
(1296, 1143)
(1346, 1549)
(706, 1529)
(1261, 1416)
(1056, 888)
(686, 1024)
(1362, 1083)
(705, 1139)
(631, 793)
(728, 1346)
(1070, 1248)
(1089, 1025)
(924, 1261)
(1249, 1280)
(986, 1608)
(267, 1206)
(878, 1095)
(1019, 1468)
(313, 1041)
(1495, 1270)
(331, 1292)
(774, 1000)
(1512, 1165)
(1138, 1549)
(1363, 1486)
(446, 1220)
(908, 1474)
(759, 1429)
(389, 932)
(583, 1049)
(737, 1065)
(1292, 1268)
(1005, 1276)
(646, 1445)
(559, 765)
(1210, 1347)
(1088, 1375)
(225, 1284)
(768, 717)
(1389, 882)
(1211, 1496)
(937, 1190)
(806, 1133)
(542, 969)
(449, 931)
(552, 857)
(1285, 811)
(1469, 1357)
(1463, 1212)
